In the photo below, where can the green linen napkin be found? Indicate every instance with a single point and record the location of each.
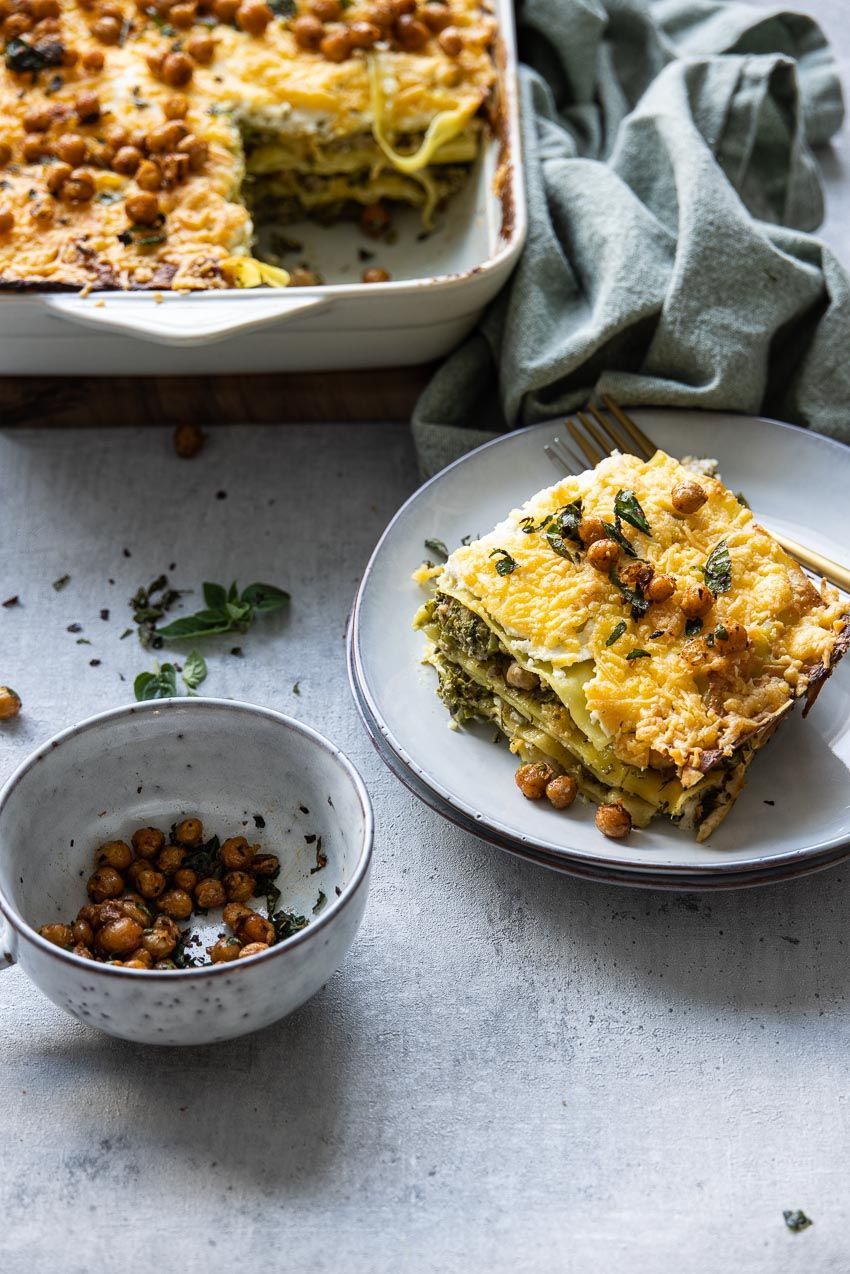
(670, 189)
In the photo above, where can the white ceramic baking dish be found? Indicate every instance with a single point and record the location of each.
(440, 285)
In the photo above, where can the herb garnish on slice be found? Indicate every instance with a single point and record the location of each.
(636, 600)
(613, 531)
(717, 571)
(627, 507)
(506, 563)
(692, 627)
(637, 653)
(616, 633)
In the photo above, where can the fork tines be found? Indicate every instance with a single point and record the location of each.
(595, 436)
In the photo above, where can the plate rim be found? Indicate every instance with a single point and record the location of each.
(482, 827)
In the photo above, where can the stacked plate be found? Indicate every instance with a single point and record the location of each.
(793, 817)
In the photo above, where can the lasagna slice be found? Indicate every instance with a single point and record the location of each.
(634, 628)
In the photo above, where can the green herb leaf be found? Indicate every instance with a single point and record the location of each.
(505, 564)
(264, 598)
(721, 632)
(21, 56)
(320, 902)
(568, 519)
(60, 583)
(527, 525)
(637, 653)
(194, 670)
(215, 596)
(627, 507)
(286, 923)
(796, 1220)
(717, 571)
(692, 627)
(616, 633)
(557, 544)
(437, 546)
(206, 623)
(636, 600)
(284, 9)
(614, 533)
(161, 684)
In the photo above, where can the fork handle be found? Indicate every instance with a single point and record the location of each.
(833, 571)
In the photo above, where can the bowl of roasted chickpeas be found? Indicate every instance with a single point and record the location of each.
(183, 871)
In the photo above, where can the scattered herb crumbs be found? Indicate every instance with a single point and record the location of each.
(236, 650)
(296, 688)
(321, 858)
(83, 641)
(104, 614)
(616, 633)
(437, 546)
(74, 628)
(796, 1220)
(303, 809)
(12, 601)
(466, 541)
(60, 583)
(637, 653)
(226, 611)
(94, 663)
(659, 632)
(310, 838)
(692, 627)
(506, 564)
(337, 891)
(627, 507)
(150, 605)
(128, 632)
(770, 802)
(717, 571)
(126, 552)
(221, 495)
(721, 632)
(320, 902)
(259, 821)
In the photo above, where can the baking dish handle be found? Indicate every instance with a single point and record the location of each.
(183, 320)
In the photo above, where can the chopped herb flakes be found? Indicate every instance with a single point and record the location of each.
(437, 546)
(613, 531)
(506, 564)
(796, 1220)
(627, 507)
(636, 599)
(692, 627)
(717, 571)
(60, 583)
(149, 605)
(637, 653)
(12, 601)
(616, 633)
(321, 858)
(320, 902)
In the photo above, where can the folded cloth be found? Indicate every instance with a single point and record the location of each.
(670, 188)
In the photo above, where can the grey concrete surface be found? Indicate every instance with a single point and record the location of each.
(513, 1072)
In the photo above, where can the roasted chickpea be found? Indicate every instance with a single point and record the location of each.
(265, 866)
(326, 10)
(336, 45)
(59, 935)
(301, 278)
(82, 949)
(435, 16)
(400, 7)
(90, 913)
(115, 853)
(41, 213)
(660, 588)
(38, 120)
(83, 932)
(5, 153)
(119, 937)
(410, 33)
(165, 964)
(150, 883)
(107, 30)
(732, 636)
(533, 778)
(363, 35)
(10, 704)
(202, 48)
(697, 601)
(613, 821)
(374, 274)
(188, 441)
(57, 177)
(225, 10)
(143, 210)
(636, 574)
(34, 148)
(382, 14)
(71, 149)
(155, 61)
(87, 106)
(253, 948)
(45, 9)
(70, 56)
(104, 912)
(451, 42)
(177, 69)
(17, 25)
(182, 16)
(161, 939)
(238, 886)
(186, 879)
(149, 177)
(140, 959)
(236, 853)
(133, 963)
(308, 32)
(175, 903)
(225, 949)
(105, 883)
(520, 678)
(126, 160)
(147, 841)
(210, 893)
(687, 497)
(375, 220)
(603, 554)
(45, 29)
(93, 61)
(166, 136)
(591, 529)
(233, 912)
(10, 700)
(136, 910)
(562, 791)
(190, 831)
(170, 858)
(175, 107)
(253, 16)
(197, 152)
(255, 928)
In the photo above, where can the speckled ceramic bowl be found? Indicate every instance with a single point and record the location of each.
(235, 766)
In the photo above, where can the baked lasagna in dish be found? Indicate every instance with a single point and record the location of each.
(636, 635)
(141, 139)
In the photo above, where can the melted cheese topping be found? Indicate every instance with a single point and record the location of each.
(687, 700)
(257, 85)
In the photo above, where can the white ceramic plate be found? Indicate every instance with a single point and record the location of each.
(796, 806)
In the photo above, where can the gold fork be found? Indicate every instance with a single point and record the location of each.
(596, 438)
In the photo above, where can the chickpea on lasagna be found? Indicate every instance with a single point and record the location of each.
(141, 139)
(636, 635)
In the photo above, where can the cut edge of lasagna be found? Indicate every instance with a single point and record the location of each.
(636, 629)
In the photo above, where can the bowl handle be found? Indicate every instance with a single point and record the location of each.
(183, 320)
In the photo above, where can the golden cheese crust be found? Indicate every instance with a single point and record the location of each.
(691, 693)
(112, 75)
